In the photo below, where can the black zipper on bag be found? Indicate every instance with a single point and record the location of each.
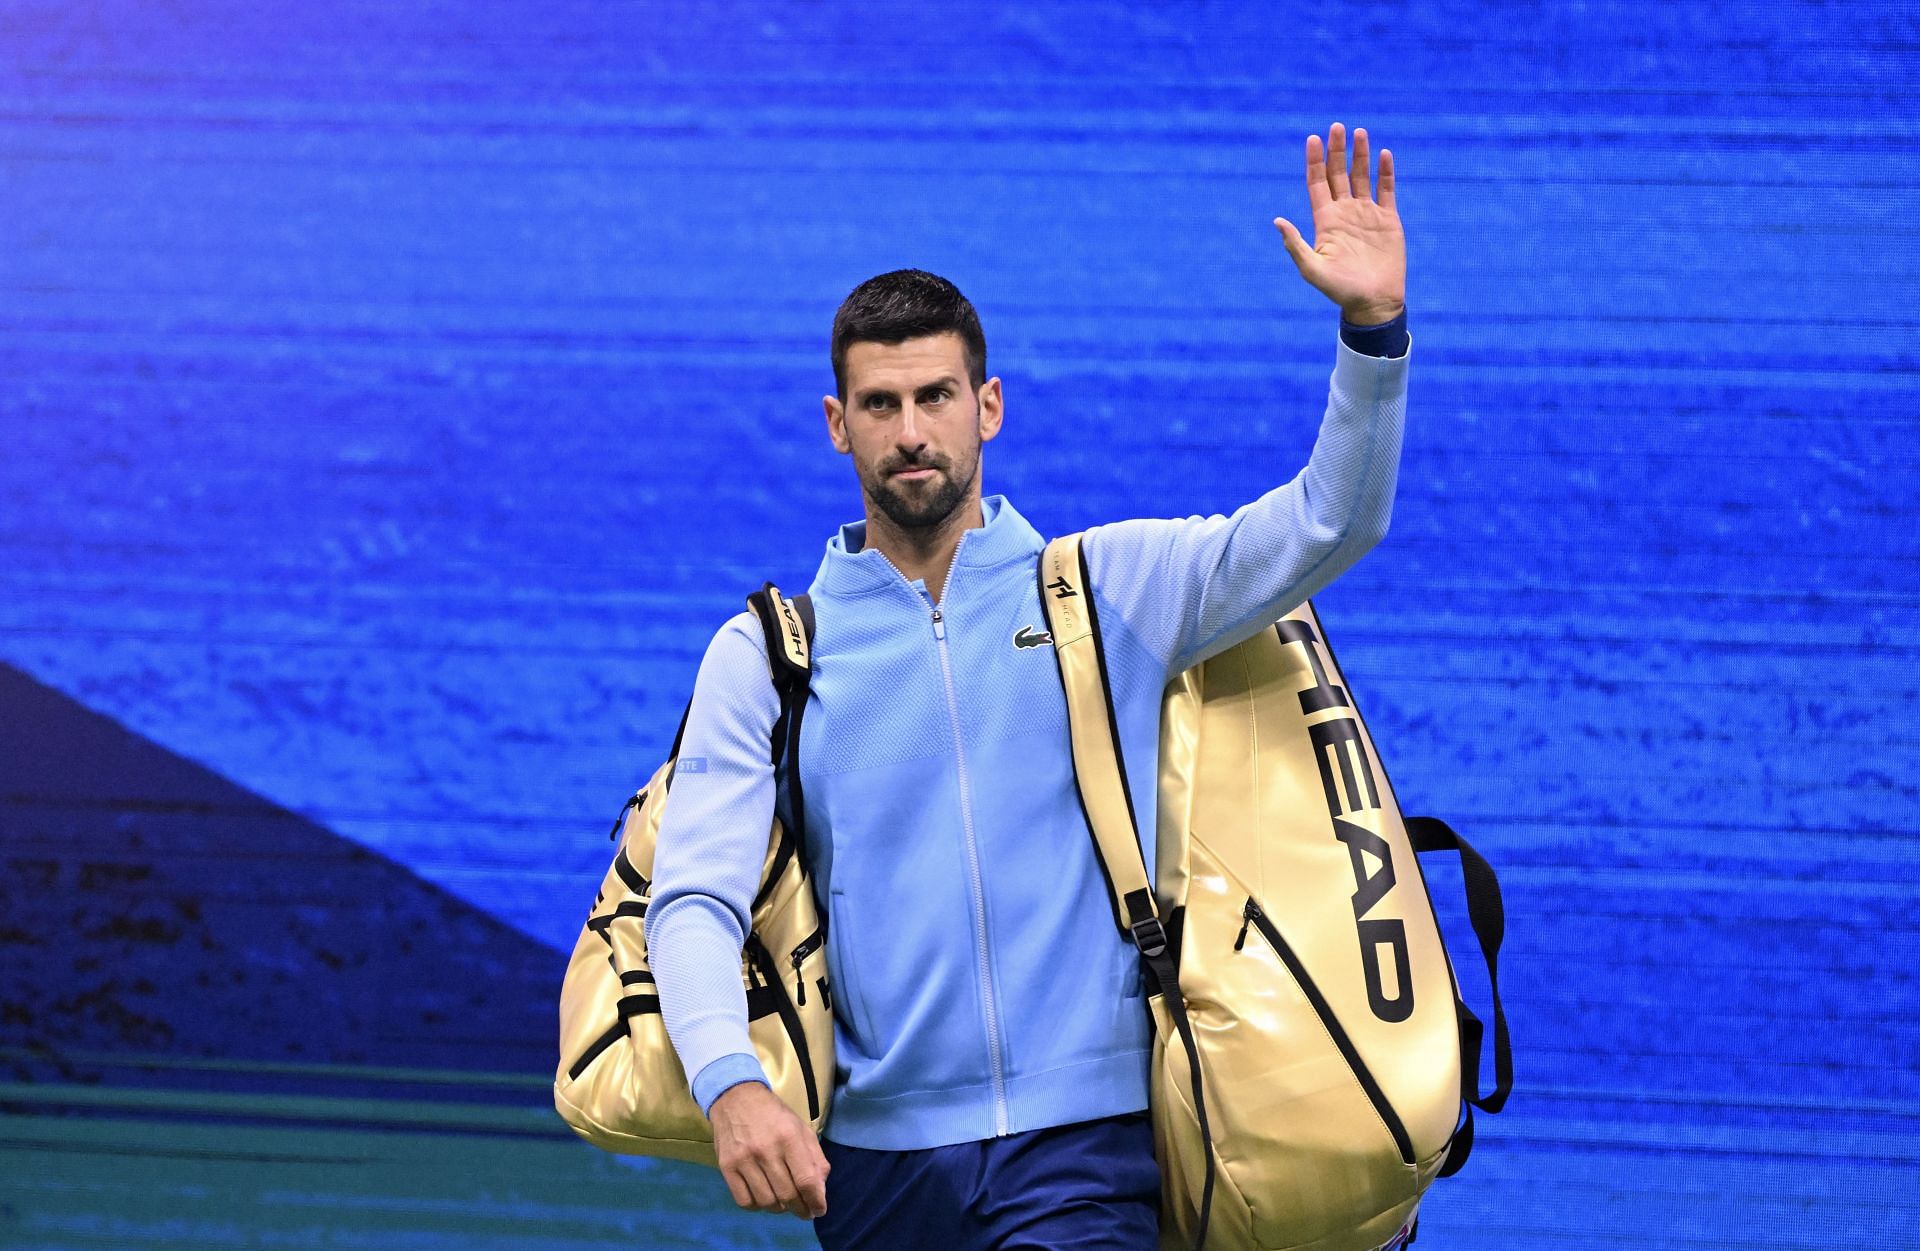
(1251, 914)
(789, 1017)
(635, 801)
(799, 956)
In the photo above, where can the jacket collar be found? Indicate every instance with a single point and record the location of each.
(850, 567)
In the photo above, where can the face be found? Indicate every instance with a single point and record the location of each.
(914, 426)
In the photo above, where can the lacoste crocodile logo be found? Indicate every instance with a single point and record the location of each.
(1025, 637)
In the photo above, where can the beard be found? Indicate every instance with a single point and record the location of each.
(923, 505)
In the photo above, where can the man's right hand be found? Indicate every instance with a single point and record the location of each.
(770, 1157)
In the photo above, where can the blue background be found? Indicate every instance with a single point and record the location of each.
(397, 396)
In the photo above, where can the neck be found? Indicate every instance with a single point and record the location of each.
(925, 554)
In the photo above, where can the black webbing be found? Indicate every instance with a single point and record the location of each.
(1488, 915)
(789, 832)
(1163, 976)
(673, 754)
(630, 877)
(1462, 1145)
(779, 737)
(792, 684)
(631, 908)
(1489, 918)
(796, 800)
(614, 1033)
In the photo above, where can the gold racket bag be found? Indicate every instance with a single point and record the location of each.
(620, 1084)
(1314, 1068)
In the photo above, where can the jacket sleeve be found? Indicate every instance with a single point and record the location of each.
(1190, 589)
(707, 861)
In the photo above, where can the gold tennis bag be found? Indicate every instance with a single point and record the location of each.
(1314, 1068)
(620, 1085)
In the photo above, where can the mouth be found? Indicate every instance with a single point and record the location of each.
(919, 474)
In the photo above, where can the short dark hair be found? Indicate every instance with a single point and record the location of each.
(906, 304)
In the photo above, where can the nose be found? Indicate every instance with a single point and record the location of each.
(912, 433)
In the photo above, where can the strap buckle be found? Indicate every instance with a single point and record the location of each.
(1150, 937)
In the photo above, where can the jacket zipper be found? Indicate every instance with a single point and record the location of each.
(973, 858)
(976, 882)
(1251, 914)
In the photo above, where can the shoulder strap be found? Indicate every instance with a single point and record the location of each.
(1066, 589)
(788, 625)
(789, 628)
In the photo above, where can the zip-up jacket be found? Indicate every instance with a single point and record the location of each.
(980, 986)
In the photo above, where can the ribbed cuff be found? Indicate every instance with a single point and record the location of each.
(1389, 338)
(725, 1073)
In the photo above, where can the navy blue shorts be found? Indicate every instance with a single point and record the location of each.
(1092, 1186)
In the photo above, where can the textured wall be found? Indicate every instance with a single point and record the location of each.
(396, 396)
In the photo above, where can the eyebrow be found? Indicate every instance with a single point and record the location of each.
(946, 380)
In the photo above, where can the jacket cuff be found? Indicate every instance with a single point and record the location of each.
(1389, 338)
(1370, 378)
(725, 1073)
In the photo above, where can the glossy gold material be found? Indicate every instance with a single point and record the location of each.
(626, 1091)
(1316, 1048)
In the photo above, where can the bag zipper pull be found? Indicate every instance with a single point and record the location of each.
(613, 835)
(799, 981)
(1246, 918)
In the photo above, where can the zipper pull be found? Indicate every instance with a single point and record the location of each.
(799, 982)
(939, 626)
(1246, 918)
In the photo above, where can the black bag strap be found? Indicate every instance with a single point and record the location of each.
(788, 625)
(1488, 915)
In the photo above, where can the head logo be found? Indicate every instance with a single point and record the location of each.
(796, 635)
(1338, 745)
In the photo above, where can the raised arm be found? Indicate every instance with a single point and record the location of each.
(1188, 589)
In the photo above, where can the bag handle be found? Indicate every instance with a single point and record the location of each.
(1100, 775)
(1488, 916)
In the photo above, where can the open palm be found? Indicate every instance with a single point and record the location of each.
(1358, 257)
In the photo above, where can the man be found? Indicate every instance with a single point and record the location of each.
(990, 1030)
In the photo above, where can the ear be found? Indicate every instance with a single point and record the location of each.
(837, 424)
(991, 409)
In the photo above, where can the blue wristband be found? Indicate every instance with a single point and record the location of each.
(1389, 338)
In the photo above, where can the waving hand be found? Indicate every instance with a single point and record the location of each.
(1359, 253)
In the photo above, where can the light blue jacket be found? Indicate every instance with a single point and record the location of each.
(980, 986)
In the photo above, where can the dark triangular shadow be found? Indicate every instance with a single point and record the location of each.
(150, 906)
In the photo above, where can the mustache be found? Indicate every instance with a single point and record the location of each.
(900, 463)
